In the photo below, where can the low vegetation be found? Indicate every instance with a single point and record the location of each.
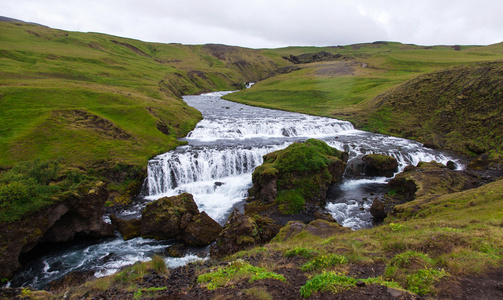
(29, 186)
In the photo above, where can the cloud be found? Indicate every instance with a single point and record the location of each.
(273, 23)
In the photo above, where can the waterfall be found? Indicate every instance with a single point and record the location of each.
(216, 167)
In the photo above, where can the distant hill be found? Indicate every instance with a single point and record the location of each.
(6, 19)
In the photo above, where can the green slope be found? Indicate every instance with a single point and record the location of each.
(375, 86)
(88, 98)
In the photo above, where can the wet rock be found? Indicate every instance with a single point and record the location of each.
(177, 250)
(72, 279)
(380, 165)
(171, 217)
(129, 229)
(324, 216)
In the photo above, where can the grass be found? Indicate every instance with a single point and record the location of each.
(454, 106)
(234, 271)
(132, 86)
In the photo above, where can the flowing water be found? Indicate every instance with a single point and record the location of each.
(216, 166)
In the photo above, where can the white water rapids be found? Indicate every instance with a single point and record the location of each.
(216, 166)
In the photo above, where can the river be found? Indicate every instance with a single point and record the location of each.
(216, 166)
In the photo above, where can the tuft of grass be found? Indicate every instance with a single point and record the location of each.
(300, 251)
(335, 283)
(234, 271)
(324, 261)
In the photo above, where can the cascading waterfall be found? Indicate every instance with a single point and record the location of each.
(216, 167)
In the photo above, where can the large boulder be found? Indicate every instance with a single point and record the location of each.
(172, 217)
(298, 176)
(380, 165)
(167, 217)
(77, 214)
(242, 232)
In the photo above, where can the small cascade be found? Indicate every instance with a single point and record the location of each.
(187, 165)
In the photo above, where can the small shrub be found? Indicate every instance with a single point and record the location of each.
(327, 282)
(414, 271)
(324, 261)
(396, 227)
(423, 281)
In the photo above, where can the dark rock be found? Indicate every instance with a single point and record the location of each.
(201, 231)
(78, 214)
(312, 57)
(129, 229)
(430, 178)
(320, 228)
(171, 217)
(241, 232)
(380, 165)
(324, 216)
(167, 217)
(378, 210)
(177, 250)
(71, 280)
(452, 165)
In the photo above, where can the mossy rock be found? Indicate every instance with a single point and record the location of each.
(167, 217)
(299, 174)
(380, 165)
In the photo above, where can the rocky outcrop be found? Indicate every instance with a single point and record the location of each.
(242, 232)
(76, 215)
(312, 57)
(172, 217)
(380, 165)
(298, 176)
(427, 178)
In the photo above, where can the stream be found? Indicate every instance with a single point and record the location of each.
(216, 166)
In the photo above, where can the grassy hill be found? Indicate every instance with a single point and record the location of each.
(88, 97)
(377, 87)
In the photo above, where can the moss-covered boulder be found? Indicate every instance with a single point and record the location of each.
(298, 175)
(172, 217)
(167, 217)
(242, 232)
(380, 165)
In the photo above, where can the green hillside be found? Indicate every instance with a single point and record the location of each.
(90, 98)
(364, 85)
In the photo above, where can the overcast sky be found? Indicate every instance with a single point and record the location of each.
(273, 23)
